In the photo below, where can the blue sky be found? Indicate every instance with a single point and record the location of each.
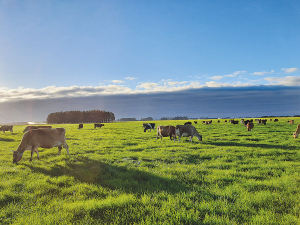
(57, 49)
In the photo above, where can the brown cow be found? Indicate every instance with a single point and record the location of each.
(250, 126)
(98, 125)
(41, 138)
(34, 127)
(291, 121)
(6, 128)
(166, 131)
(187, 131)
(296, 134)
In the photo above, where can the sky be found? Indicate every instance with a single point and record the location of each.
(100, 54)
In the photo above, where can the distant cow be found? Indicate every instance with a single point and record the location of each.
(35, 127)
(296, 134)
(291, 121)
(250, 126)
(234, 121)
(6, 128)
(208, 122)
(260, 121)
(195, 122)
(275, 120)
(98, 125)
(188, 123)
(165, 131)
(148, 126)
(41, 138)
(80, 126)
(187, 131)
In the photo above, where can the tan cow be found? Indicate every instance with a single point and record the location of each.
(187, 131)
(34, 127)
(291, 121)
(6, 128)
(41, 138)
(165, 131)
(296, 134)
(250, 126)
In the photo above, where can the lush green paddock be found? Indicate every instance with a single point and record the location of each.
(121, 175)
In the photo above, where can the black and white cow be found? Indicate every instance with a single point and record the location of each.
(148, 126)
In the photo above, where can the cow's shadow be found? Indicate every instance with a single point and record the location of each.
(129, 180)
(7, 139)
(254, 145)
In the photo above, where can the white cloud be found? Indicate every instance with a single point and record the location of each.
(289, 70)
(228, 75)
(147, 85)
(239, 72)
(286, 81)
(174, 83)
(130, 78)
(217, 77)
(263, 73)
(220, 84)
(117, 81)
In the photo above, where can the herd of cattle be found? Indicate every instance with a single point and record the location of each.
(47, 137)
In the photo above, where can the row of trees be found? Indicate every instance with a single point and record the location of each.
(93, 116)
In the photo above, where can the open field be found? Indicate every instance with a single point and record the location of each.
(121, 175)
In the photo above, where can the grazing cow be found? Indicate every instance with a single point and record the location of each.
(80, 126)
(208, 122)
(187, 131)
(34, 127)
(234, 121)
(188, 123)
(98, 125)
(6, 128)
(291, 121)
(260, 121)
(165, 131)
(276, 120)
(195, 122)
(296, 134)
(41, 138)
(250, 126)
(148, 126)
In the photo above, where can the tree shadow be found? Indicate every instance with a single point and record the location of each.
(129, 180)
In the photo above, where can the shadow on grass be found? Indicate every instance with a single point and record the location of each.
(129, 180)
(7, 139)
(253, 145)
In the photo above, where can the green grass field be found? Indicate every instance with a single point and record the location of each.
(120, 174)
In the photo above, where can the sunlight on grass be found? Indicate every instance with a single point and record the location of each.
(120, 174)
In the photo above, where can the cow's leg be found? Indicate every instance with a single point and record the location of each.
(32, 151)
(191, 138)
(37, 152)
(66, 147)
(59, 149)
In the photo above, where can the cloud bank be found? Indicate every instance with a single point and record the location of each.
(118, 88)
(193, 103)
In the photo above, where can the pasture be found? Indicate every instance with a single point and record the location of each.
(120, 174)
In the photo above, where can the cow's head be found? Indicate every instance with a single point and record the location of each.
(17, 156)
(199, 138)
(295, 134)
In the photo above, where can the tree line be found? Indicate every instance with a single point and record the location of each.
(93, 116)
